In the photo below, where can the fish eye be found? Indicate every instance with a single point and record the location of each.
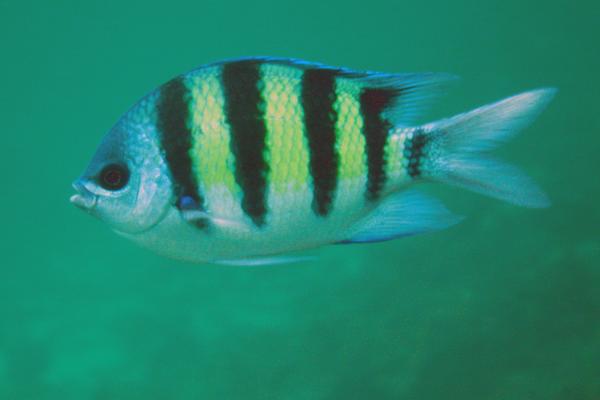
(114, 177)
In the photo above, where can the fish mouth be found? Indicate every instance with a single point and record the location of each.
(83, 199)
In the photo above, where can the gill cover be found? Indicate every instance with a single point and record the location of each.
(145, 199)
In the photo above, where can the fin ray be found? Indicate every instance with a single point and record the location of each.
(402, 214)
(458, 147)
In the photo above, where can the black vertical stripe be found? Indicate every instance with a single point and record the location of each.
(415, 149)
(176, 140)
(244, 110)
(373, 102)
(318, 99)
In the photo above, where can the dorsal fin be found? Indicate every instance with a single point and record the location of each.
(411, 93)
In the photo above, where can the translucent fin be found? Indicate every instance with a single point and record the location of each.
(487, 127)
(259, 261)
(403, 214)
(413, 92)
(457, 144)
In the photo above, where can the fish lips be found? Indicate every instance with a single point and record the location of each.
(83, 199)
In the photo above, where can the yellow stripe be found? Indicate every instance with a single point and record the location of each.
(288, 153)
(211, 156)
(350, 139)
(396, 164)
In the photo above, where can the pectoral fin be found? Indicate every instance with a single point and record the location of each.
(194, 215)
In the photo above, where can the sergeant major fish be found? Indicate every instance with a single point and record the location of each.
(244, 161)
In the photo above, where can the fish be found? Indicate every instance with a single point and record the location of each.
(250, 161)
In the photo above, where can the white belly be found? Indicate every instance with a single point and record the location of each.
(291, 225)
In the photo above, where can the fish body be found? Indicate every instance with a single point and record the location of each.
(257, 157)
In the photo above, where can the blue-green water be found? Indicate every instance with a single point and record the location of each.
(504, 306)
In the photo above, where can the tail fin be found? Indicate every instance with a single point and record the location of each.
(458, 147)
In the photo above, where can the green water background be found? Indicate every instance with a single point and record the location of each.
(504, 306)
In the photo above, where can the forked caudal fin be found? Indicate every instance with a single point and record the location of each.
(457, 146)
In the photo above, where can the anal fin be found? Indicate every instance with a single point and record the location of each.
(403, 214)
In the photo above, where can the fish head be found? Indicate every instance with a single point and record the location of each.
(125, 184)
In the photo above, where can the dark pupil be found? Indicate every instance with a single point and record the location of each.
(113, 177)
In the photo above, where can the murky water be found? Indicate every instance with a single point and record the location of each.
(504, 306)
